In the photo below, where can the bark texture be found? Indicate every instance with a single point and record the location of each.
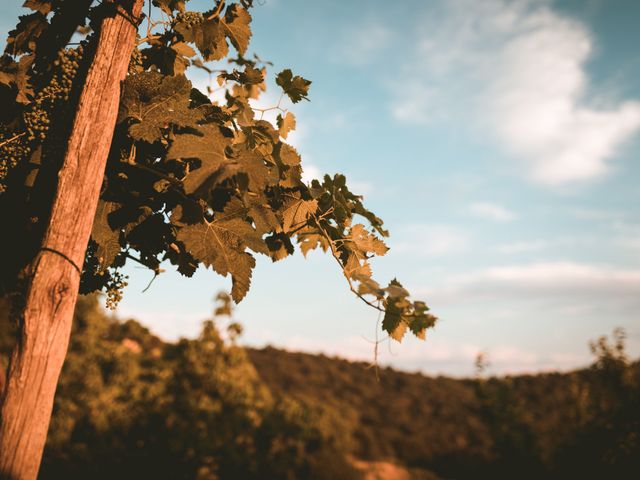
(53, 286)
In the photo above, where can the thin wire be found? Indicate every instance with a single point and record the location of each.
(59, 253)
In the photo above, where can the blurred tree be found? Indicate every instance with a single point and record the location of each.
(108, 155)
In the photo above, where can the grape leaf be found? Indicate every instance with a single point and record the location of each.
(354, 269)
(42, 6)
(236, 23)
(166, 59)
(287, 155)
(107, 238)
(296, 211)
(286, 124)
(23, 38)
(263, 216)
(168, 6)
(221, 243)
(366, 241)
(296, 88)
(153, 101)
(393, 323)
(309, 239)
(182, 48)
(8, 69)
(208, 146)
(208, 36)
(280, 246)
(17, 74)
(259, 174)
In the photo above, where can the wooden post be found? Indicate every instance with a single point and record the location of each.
(55, 271)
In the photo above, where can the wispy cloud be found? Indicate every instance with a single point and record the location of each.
(522, 247)
(492, 211)
(519, 68)
(362, 44)
(545, 281)
(429, 239)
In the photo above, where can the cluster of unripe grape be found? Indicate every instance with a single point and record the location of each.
(114, 289)
(38, 118)
(189, 19)
(13, 149)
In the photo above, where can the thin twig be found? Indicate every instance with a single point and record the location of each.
(155, 275)
(15, 137)
(335, 255)
(217, 11)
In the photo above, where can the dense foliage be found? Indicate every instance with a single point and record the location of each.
(582, 424)
(132, 406)
(189, 181)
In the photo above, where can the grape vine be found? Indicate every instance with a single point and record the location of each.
(189, 181)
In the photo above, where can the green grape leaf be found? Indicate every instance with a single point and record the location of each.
(310, 239)
(207, 145)
(288, 160)
(260, 175)
(152, 102)
(236, 23)
(221, 243)
(356, 267)
(42, 6)
(292, 178)
(296, 88)
(280, 246)
(235, 217)
(208, 36)
(251, 76)
(287, 155)
(263, 215)
(168, 6)
(16, 74)
(23, 38)
(8, 69)
(286, 124)
(166, 59)
(241, 276)
(393, 323)
(367, 242)
(296, 211)
(183, 49)
(106, 237)
(261, 136)
(368, 286)
(421, 319)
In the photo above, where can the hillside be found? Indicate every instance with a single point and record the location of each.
(547, 423)
(132, 406)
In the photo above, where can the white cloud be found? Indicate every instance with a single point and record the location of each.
(566, 275)
(362, 44)
(429, 239)
(415, 105)
(545, 281)
(492, 211)
(522, 247)
(519, 68)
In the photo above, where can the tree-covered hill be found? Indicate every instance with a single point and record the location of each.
(530, 426)
(132, 406)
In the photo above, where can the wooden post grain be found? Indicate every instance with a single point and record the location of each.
(54, 273)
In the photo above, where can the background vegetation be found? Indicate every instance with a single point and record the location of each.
(132, 406)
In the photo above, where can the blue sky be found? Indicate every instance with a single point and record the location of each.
(497, 139)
